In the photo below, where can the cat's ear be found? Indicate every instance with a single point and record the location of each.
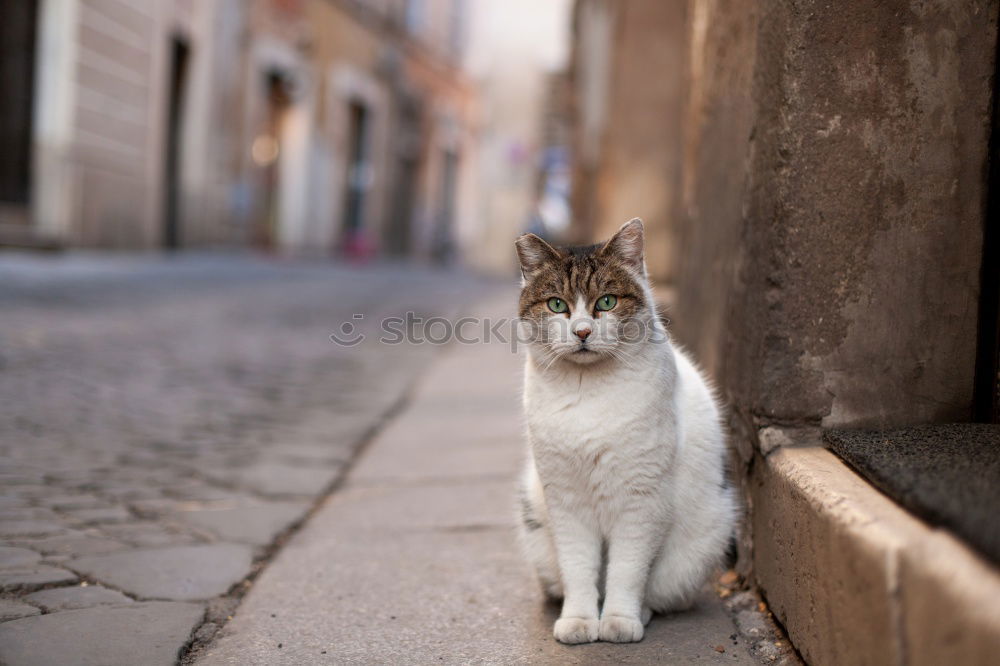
(533, 253)
(628, 244)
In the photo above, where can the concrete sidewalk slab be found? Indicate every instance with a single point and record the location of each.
(414, 560)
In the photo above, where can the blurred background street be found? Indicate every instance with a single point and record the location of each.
(195, 195)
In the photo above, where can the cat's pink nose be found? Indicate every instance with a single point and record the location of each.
(583, 333)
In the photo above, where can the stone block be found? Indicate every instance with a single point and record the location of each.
(73, 501)
(280, 479)
(256, 524)
(814, 561)
(182, 573)
(29, 491)
(29, 528)
(950, 601)
(856, 579)
(8, 502)
(72, 598)
(146, 535)
(151, 634)
(14, 610)
(17, 557)
(29, 578)
(101, 515)
(73, 544)
(27, 513)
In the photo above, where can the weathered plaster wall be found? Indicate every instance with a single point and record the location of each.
(812, 175)
(829, 226)
(856, 298)
(638, 166)
(709, 203)
(641, 172)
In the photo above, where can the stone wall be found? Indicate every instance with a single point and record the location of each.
(856, 298)
(631, 165)
(718, 123)
(826, 198)
(813, 178)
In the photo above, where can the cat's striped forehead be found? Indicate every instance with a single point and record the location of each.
(580, 271)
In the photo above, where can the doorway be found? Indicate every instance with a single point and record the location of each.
(267, 154)
(398, 235)
(398, 241)
(986, 395)
(18, 33)
(179, 57)
(443, 249)
(358, 180)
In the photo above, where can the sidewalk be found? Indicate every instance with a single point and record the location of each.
(414, 561)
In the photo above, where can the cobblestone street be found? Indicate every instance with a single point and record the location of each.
(166, 422)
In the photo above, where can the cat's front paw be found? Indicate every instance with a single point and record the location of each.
(620, 629)
(572, 630)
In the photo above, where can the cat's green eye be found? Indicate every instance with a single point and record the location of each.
(557, 305)
(607, 302)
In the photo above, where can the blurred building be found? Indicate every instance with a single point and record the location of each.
(307, 126)
(820, 193)
(516, 57)
(627, 148)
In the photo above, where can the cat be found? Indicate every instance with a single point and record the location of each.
(625, 486)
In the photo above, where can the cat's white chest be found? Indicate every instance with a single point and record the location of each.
(579, 421)
(588, 417)
(594, 444)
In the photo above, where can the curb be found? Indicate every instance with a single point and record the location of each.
(855, 579)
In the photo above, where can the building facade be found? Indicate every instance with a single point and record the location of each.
(300, 126)
(820, 195)
(626, 149)
(516, 53)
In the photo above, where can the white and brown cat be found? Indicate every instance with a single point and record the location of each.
(624, 495)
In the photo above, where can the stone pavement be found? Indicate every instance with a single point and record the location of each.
(413, 559)
(164, 422)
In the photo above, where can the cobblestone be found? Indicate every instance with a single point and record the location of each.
(149, 633)
(77, 543)
(256, 524)
(17, 557)
(148, 534)
(72, 598)
(29, 528)
(278, 479)
(104, 515)
(14, 610)
(181, 573)
(26, 513)
(74, 501)
(32, 578)
(28, 491)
